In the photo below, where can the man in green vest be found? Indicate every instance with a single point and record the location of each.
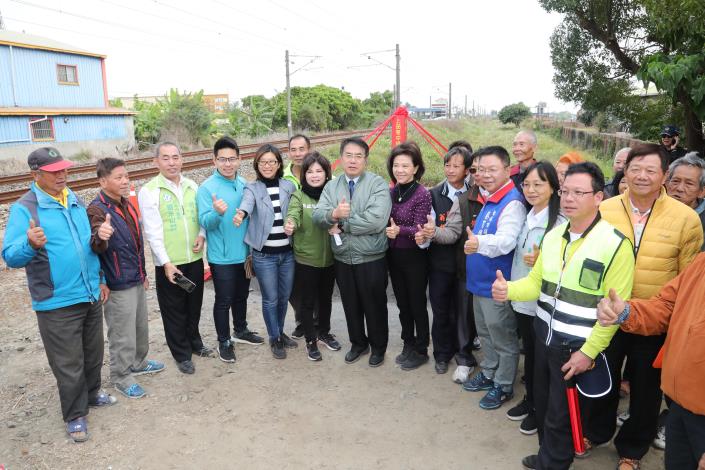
(170, 224)
(579, 262)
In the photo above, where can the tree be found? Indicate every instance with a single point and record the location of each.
(514, 113)
(185, 116)
(603, 45)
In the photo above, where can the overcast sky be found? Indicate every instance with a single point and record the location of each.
(495, 52)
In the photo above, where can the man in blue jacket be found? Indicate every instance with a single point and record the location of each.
(218, 198)
(48, 234)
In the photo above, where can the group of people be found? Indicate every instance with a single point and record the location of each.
(521, 258)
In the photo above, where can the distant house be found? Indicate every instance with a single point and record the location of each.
(216, 103)
(53, 94)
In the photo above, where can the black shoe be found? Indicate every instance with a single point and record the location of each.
(530, 462)
(404, 353)
(376, 359)
(313, 353)
(288, 342)
(298, 332)
(204, 352)
(520, 411)
(226, 352)
(330, 341)
(247, 337)
(414, 360)
(186, 367)
(278, 350)
(441, 367)
(354, 354)
(528, 425)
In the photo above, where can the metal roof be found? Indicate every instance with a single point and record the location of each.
(36, 111)
(30, 41)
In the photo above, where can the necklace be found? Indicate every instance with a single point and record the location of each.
(401, 195)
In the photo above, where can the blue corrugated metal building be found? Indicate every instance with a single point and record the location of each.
(55, 94)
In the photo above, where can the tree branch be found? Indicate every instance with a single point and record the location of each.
(609, 41)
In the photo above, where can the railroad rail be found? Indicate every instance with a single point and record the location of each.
(191, 162)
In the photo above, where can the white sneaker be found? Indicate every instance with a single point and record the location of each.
(622, 417)
(462, 373)
(660, 439)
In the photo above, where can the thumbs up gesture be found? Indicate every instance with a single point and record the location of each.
(392, 230)
(429, 228)
(35, 235)
(609, 309)
(238, 218)
(289, 227)
(105, 230)
(500, 288)
(342, 211)
(219, 205)
(472, 243)
(531, 256)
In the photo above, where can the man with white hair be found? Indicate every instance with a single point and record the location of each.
(620, 158)
(686, 183)
(523, 148)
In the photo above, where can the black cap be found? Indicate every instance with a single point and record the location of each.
(47, 159)
(597, 381)
(670, 131)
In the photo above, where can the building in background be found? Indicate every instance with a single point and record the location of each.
(53, 94)
(217, 103)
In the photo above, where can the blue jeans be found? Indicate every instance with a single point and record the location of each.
(275, 274)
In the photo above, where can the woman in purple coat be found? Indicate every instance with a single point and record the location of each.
(408, 264)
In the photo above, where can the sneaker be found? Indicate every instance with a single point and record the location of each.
(589, 447)
(247, 337)
(353, 355)
(660, 439)
(226, 352)
(414, 360)
(288, 342)
(530, 462)
(152, 367)
(628, 464)
(495, 397)
(203, 351)
(102, 398)
(476, 345)
(528, 424)
(133, 391)
(312, 349)
(622, 418)
(462, 374)
(186, 367)
(278, 350)
(298, 332)
(441, 367)
(477, 383)
(330, 341)
(520, 411)
(406, 350)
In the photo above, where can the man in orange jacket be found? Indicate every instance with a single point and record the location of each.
(676, 311)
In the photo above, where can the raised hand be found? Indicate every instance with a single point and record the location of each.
(531, 256)
(35, 236)
(500, 288)
(472, 243)
(289, 227)
(429, 228)
(219, 205)
(239, 217)
(392, 230)
(105, 230)
(342, 211)
(609, 309)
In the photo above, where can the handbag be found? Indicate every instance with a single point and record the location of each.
(249, 269)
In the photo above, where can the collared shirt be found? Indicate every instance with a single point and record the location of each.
(639, 220)
(534, 220)
(62, 198)
(509, 227)
(452, 193)
(289, 175)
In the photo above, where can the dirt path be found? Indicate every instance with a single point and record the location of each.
(256, 413)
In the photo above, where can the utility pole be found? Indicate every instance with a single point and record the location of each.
(398, 91)
(288, 96)
(2, 23)
(450, 96)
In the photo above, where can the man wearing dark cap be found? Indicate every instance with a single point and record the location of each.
(670, 135)
(48, 233)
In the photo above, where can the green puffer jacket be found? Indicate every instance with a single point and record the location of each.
(311, 242)
(363, 237)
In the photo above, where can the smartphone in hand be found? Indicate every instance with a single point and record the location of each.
(184, 282)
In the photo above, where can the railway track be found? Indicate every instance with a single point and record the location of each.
(191, 161)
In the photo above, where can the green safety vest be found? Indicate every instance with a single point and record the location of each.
(572, 286)
(180, 224)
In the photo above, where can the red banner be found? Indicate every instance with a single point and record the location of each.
(399, 126)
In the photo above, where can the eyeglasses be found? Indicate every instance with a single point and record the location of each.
(576, 193)
(223, 161)
(353, 156)
(489, 171)
(473, 170)
(529, 186)
(268, 163)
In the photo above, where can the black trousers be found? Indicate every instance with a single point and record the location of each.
(295, 302)
(525, 324)
(73, 342)
(638, 432)
(315, 287)
(181, 311)
(685, 438)
(556, 450)
(408, 270)
(363, 291)
(231, 291)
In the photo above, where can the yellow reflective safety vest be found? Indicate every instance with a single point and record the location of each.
(573, 285)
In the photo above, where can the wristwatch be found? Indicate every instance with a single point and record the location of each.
(622, 317)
